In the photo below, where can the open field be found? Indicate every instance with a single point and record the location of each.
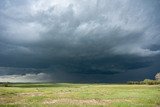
(79, 95)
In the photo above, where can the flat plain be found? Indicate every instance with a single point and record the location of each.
(79, 95)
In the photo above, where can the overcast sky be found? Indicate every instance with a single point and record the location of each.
(79, 40)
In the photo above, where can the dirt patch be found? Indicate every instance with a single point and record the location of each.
(31, 94)
(79, 102)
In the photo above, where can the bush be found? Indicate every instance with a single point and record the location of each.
(5, 84)
(133, 82)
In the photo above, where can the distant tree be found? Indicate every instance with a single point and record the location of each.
(149, 82)
(157, 77)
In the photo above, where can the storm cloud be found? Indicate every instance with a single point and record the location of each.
(80, 40)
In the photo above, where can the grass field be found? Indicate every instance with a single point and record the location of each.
(79, 95)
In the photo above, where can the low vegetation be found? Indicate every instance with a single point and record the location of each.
(79, 95)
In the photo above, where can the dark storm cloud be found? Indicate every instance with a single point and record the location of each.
(73, 39)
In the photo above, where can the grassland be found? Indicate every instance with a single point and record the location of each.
(79, 95)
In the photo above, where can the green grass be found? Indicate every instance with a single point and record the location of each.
(79, 95)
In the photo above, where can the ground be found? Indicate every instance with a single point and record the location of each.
(79, 95)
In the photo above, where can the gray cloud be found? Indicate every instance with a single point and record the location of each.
(81, 37)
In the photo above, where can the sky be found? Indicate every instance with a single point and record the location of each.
(82, 41)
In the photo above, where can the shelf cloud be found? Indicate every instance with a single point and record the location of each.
(79, 38)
